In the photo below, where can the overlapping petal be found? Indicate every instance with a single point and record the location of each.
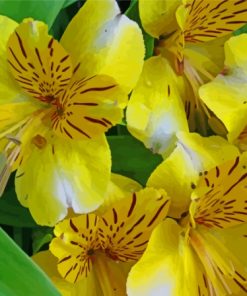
(105, 42)
(158, 17)
(226, 94)
(194, 154)
(171, 265)
(38, 62)
(62, 176)
(155, 111)
(89, 107)
(48, 263)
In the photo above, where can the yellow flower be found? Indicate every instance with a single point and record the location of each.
(203, 251)
(95, 251)
(56, 102)
(226, 94)
(191, 35)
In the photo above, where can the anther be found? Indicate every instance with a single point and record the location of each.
(39, 141)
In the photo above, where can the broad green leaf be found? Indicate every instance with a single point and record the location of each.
(19, 275)
(11, 211)
(44, 10)
(41, 237)
(130, 158)
(133, 13)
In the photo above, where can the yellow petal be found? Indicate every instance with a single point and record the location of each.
(118, 188)
(207, 152)
(111, 275)
(235, 54)
(171, 266)
(235, 238)
(38, 62)
(230, 275)
(104, 42)
(179, 187)
(225, 95)
(224, 204)
(126, 228)
(193, 154)
(14, 113)
(74, 246)
(66, 174)
(48, 263)
(89, 107)
(9, 89)
(213, 19)
(155, 111)
(158, 17)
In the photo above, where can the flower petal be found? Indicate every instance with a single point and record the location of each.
(168, 266)
(38, 62)
(118, 188)
(124, 230)
(229, 276)
(89, 107)
(101, 41)
(224, 204)
(48, 263)
(64, 173)
(9, 91)
(75, 239)
(155, 111)
(181, 168)
(192, 155)
(226, 94)
(213, 19)
(158, 17)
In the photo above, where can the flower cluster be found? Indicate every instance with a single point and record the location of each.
(185, 232)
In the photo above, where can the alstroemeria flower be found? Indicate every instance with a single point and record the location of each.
(56, 102)
(191, 36)
(226, 95)
(204, 252)
(95, 252)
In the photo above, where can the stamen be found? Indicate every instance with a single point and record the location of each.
(195, 82)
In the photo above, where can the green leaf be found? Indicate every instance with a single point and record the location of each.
(12, 212)
(130, 158)
(69, 2)
(41, 237)
(19, 275)
(133, 13)
(241, 30)
(44, 10)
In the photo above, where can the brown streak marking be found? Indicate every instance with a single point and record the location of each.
(19, 63)
(132, 206)
(97, 89)
(114, 215)
(235, 184)
(138, 222)
(72, 225)
(77, 129)
(38, 55)
(157, 213)
(93, 120)
(64, 259)
(21, 45)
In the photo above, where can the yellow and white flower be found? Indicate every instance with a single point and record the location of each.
(56, 102)
(202, 251)
(95, 251)
(191, 36)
